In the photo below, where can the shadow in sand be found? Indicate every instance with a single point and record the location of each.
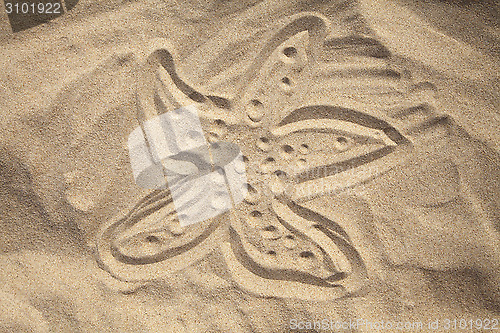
(24, 222)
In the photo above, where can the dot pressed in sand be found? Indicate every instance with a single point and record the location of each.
(255, 110)
(287, 149)
(263, 144)
(152, 239)
(290, 51)
(304, 148)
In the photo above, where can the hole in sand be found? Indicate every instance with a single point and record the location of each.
(280, 173)
(287, 149)
(304, 149)
(255, 110)
(301, 163)
(263, 144)
(286, 81)
(256, 102)
(270, 228)
(255, 213)
(290, 51)
(152, 239)
(306, 254)
(220, 122)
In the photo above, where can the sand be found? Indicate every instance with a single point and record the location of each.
(372, 164)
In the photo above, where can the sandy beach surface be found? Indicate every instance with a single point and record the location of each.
(426, 230)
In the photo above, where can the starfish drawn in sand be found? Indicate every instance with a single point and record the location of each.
(304, 116)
